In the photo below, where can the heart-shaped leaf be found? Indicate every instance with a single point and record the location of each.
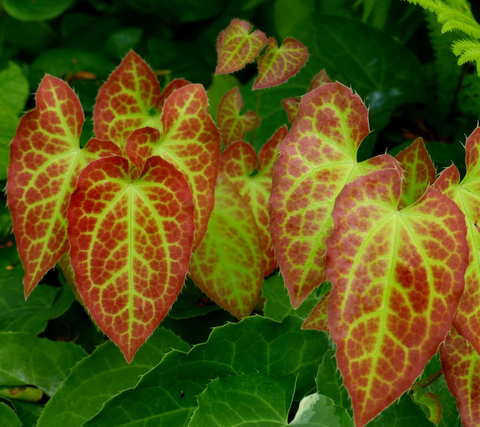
(397, 278)
(317, 158)
(466, 195)
(131, 243)
(190, 141)
(228, 265)
(233, 125)
(461, 367)
(236, 47)
(45, 160)
(278, 64)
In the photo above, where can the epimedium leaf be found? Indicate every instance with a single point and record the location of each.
(102, 375)
(292, 104)
(39, 10)
(228, 265)
(190, 141)
(318, 318)
(245, 400)
(28, 360)
(238, 164)
(237, 47)
(8, 416)
(130, 245)
(278, 64)
(45, 160)
(14, 89)
(461, 367)
(254, 345)
(397, 278)
(466, 194)
(428, 400)
(233, 125)
(419, 172)
(317, 158)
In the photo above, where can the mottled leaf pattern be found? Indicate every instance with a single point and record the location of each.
(238, 162)
(461, 367)
(190, 141)
(317, 158)
(278, 64)
(45, 160)
(397, 277)
(467, 196)
(233, 125)
(130, 245)
(236, 47)
(318, 318)
(228, 264)
(419, 172)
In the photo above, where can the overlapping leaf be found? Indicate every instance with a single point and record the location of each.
(419, 172)
(397, 277)
(190, 141)
(228, 265)
(317, 158)
(238, 162)
(318, 318)
(461, 367)
(278, 64)
(292, 104)
(45, 160)
(233, 125)
(466, 195)
(236, 47)
(130, 99)
(131, 242)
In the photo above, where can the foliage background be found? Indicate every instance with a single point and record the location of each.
(390, 52)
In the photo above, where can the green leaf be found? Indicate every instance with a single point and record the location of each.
(119, 43)
(102, 375)
(36, 361)
(250, 400)
(316, 410)
(8, 416)
(8, 126)
(220, 85)
(28, 412)
(38, 10)
(14, 89)
(254, 345)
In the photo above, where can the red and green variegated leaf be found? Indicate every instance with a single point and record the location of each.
(317, 158)
(269, 153)
(45, 160)
(291, 105)
(190, 141)
(171, 87)
(131, 243)
(228, 265)
(429, 401)
(467, 196)
(236, 47)
(318, 318)
(461, 367)
(397, 278)
(233, 125)
(125, 100)
(278, 64)
(419, 172)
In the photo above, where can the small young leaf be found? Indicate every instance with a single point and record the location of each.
(236, 47)
(189, 140)
(45, 160)
(233, 125)
(461, 367)
(130, 245)
(397, 277)
(228, 264)
(277, 65)
(419, 172)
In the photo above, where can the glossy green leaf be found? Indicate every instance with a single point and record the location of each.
(102, 375)
(36, 361)
(379, 258)
(14, 89)
(245, 400)
(318, 410)
(38, 10)
(254, 345)
(8, 416)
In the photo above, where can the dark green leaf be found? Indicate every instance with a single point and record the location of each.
(14, 89)
(28, 412)
(119, 43)
(38, 10)
(316, 410)
(8, 416)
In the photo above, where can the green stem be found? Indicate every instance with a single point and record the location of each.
(27, 394)
(256, 117)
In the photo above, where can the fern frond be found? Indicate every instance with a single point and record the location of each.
(467, 51)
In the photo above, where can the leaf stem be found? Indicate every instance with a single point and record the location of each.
(430, 379)
(256, 117)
